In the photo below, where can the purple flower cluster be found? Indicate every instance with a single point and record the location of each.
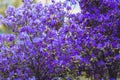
(102, 19)
(48, 42)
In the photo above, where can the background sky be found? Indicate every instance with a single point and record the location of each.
(75, 10)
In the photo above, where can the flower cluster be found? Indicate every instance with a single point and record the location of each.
(48, 42)
(43, 43)
(101, 18)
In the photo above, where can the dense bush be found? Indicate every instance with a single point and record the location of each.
(48, 42)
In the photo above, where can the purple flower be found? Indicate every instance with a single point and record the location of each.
(47, 41)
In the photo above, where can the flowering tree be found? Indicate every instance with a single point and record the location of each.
(47, 41)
